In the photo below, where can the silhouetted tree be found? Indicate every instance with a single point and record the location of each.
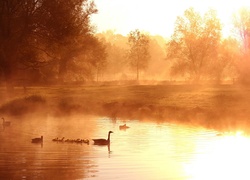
(139, 51)
(194, 43)
(34, 32)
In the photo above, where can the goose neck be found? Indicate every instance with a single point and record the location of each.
(109, 137)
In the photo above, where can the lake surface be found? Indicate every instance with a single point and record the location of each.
(146, 150)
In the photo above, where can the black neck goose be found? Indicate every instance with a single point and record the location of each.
(103, 141)
(5, 123)
(37, 140)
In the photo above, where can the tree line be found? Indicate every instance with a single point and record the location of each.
(48, 42)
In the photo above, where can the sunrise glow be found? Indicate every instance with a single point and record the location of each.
(226, 158)
(157, 17)
(125, 89)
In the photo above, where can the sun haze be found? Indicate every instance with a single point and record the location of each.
(157, 17)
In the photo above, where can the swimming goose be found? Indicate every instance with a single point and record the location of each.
(56, 139)
(123, 127)
(5, 123)
(103, 141)
(61, 140)
(37, 140)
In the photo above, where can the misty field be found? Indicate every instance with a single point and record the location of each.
(219, 107)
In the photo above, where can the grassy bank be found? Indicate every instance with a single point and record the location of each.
(219, 107)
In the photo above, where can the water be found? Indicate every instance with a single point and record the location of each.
(146, 150)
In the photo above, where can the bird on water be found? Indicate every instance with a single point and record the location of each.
(5, 123)
(103, 141)
(37, 140)
(123, 127)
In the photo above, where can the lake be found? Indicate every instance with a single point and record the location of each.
(146, 150)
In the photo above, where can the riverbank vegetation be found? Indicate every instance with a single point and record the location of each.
(220, 107)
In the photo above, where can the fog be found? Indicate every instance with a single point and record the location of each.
(221, 107)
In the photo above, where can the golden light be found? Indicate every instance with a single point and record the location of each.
(158, 17)
(227, 157)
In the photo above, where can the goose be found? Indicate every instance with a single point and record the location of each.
(123, 127)
(37, 140)
(5, 123)
(61, 140)
(103, 141)
(86, 141)
(56, 139)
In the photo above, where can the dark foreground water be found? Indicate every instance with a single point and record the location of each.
(144, 151)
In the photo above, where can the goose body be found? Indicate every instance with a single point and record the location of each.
(37, 140)
(103, 141)
(5, 123)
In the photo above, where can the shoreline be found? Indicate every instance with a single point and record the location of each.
(221, 108)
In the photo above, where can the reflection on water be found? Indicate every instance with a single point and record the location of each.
(146, 150)
(225, 158)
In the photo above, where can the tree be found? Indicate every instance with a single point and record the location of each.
(241, 22)
(225, 65)
(139, 51)
(34, 32)
(157, 66)
(193, 45)
(86, 59)
(117, 63)
(98, 57)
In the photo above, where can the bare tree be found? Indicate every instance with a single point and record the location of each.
(139, 51)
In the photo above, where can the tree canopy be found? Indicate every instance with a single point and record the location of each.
(139, 51)
(194, 43)
(36, 32)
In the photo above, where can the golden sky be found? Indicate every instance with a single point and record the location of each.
(158, 16)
